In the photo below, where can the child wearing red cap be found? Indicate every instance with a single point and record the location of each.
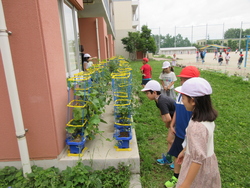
(146, 71)
(199, 163)
(179, 124)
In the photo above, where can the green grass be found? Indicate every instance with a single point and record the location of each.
(231, 99)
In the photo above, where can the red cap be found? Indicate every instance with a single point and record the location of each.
(189, 72)
(241, 54)
(145, 59)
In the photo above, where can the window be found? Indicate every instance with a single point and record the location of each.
(69, 22)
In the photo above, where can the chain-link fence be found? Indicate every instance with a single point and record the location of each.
(199, 32)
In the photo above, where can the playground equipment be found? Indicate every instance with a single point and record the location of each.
(247, 48)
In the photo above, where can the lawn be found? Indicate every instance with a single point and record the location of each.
(231, 99)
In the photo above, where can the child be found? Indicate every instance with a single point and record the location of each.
(197, 56)
(227, 57)
(200, 165)
(168, 78)
(179, 124)
(165, 105)
(146, 71)
(240, 61)
(174, 60)
(87, 61)
(220, 59)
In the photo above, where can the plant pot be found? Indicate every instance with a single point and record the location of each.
(76, 146)
(123, 138)
(123, 121)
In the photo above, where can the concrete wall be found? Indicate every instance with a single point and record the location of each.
(88, 37)
(123, 24)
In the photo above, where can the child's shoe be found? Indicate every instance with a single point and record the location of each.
(171, 166)
(171, 183)
(166, 159)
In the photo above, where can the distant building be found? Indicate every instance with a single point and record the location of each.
(126, 20)
(203, 42)
(178, 50)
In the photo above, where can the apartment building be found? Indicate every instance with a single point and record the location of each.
(126, 19)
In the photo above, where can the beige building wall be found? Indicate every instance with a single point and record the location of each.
(123, 24)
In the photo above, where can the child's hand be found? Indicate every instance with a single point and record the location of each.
(172, 129)
(166, 88)
(180, 157)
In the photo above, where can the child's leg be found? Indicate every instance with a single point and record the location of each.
(170, 138)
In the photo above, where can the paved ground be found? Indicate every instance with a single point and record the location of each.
(210, 63)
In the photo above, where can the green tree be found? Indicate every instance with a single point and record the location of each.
(210, 42)
(131, 43)
(137, 41)
(232, 33)
(234, 45)
(146, 41)
(246, 32)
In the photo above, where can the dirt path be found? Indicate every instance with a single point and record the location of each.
(211, 64)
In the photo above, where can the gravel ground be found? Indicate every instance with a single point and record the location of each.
(212, 64)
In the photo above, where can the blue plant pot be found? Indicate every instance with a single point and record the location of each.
(76, 147)
(123, 142)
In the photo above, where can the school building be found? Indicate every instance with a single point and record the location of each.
(177, 50)
(39, 49)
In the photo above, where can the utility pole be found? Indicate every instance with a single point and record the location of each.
(191, 35)
(159, 43)
(240, 35)
(175, 36)
(206, 33)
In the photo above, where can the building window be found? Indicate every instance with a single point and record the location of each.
(69, 22)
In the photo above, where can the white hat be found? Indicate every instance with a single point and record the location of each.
(195, 87)
(152, 85)
(165, 64)
(87, 55)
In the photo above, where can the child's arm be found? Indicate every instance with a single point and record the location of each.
(162, 83)
(166, 118)
(192, 172)
(169, 86)
(85, 66)
(172, 124)
(142, 72)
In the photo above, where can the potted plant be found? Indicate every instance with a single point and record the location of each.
(75, 139)
(123, 136)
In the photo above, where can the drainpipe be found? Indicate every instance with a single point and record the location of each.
(97, 37)
(13, 93)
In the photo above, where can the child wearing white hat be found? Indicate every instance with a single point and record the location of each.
(199, 163)
(166, 106)
(167, 78)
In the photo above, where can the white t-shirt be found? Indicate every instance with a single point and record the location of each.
(168, 78)
(89, 64)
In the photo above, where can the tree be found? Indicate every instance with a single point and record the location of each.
(137, 41)
(232, 33)
(146, 41)
(246, 32)
(131, 43)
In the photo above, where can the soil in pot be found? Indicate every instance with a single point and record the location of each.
(124, 134)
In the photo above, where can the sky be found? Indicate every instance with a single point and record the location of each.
(194, 19)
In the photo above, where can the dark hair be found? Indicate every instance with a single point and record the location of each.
(157, 92)
(81, 48)
(86, 59)
(203, 110)
(171, 69)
